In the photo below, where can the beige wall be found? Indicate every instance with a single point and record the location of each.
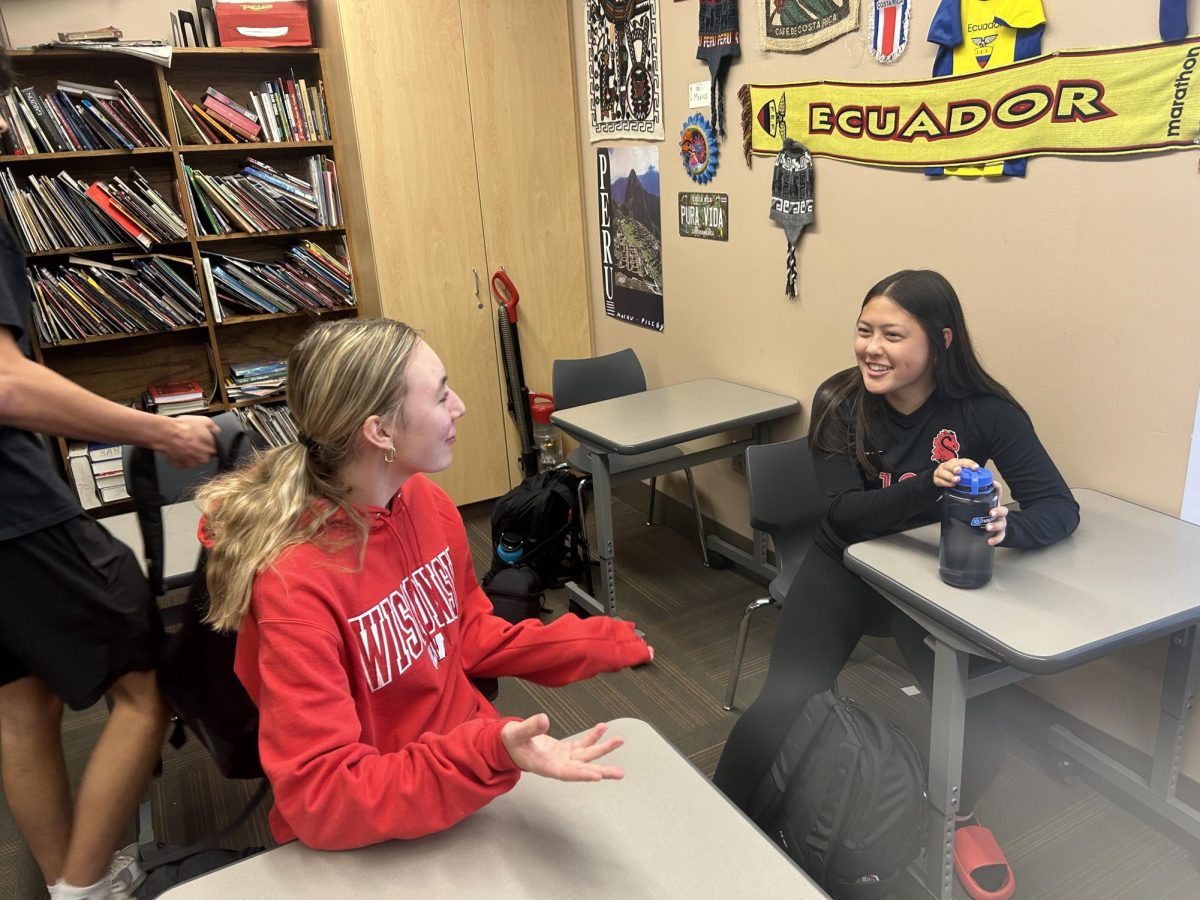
(1078, 283)
(35, 21)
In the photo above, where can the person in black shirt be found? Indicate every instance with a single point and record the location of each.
(887, 437)
(77, 620)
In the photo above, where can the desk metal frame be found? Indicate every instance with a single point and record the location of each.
(953, 686)
(600, 446)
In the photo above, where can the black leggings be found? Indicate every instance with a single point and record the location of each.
(826, 611)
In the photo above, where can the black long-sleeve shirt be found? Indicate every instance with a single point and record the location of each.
(911, 446)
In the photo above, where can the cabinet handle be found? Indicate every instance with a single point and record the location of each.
(478, 299)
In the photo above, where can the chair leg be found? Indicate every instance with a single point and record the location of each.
(653, 494)
(740, 648)
(696, 509)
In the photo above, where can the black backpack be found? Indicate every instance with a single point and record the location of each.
(538, 524)
(197, 680)
(845, 798)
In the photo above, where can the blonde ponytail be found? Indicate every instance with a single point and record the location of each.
(339, 375)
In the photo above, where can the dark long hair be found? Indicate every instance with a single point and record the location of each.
(846, 416)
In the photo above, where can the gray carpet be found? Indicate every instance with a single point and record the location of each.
(1064, 842)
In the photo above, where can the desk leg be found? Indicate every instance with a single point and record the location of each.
(949, 702)
(1178, 695)
(602, 490)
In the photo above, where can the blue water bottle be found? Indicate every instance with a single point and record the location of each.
(965, 556)
(511, 548)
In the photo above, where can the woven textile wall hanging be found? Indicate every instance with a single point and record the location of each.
(793, 25)
(624, 77)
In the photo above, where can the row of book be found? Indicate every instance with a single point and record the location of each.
(256, 380)
(88, 298)
(308, 278)
(274, 423)
(62, 212)
(283, 110)
(76, 117)
(175, 398)
(98, 471)
(263, 198)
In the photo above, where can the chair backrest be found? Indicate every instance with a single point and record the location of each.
(581, 381)
(153, 483)
(785, 500)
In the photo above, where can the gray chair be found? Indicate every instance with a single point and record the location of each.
(578, 382)
(786, 502)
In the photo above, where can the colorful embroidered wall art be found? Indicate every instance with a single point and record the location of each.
(630, 234)
(624, 78)
(794, 25)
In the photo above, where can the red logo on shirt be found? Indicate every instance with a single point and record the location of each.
(945, 446)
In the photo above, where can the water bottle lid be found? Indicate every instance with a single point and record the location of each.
(974, 481)
(541, 405)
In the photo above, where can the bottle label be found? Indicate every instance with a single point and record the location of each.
(979, 521)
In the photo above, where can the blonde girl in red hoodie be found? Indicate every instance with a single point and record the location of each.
(360, 620)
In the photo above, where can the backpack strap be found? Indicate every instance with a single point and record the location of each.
(832, 811)
(209, 841)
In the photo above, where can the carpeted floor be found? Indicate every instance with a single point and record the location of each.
(1064, 842)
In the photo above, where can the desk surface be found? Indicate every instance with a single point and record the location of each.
(663, 831)
(1128, 574)
(639, 423)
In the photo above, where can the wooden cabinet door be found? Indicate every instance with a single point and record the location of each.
(406, 82)
(520, 76)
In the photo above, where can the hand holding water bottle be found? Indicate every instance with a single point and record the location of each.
(947, 476)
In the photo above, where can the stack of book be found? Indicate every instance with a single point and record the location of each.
(256, 380)
(308, 278)
(62, 212)
(174, 398)
(76, 117)
(263, 198)
(274, 424)
(98, 472)
(284, 110)
(88, 298)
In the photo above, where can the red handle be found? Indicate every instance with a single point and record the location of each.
(506, 294)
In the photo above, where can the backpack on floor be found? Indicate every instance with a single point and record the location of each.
(516, 595)
(845, 798)
(538, 524)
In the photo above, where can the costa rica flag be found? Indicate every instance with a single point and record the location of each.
(889, 29)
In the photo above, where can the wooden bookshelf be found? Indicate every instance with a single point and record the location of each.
(119, 366)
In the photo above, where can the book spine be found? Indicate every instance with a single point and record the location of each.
(232, 104)
(232, 116)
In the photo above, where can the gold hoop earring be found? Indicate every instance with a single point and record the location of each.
(389, 455)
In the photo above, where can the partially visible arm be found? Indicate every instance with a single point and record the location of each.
(854, 511)
(36, 398)
(1048, 512)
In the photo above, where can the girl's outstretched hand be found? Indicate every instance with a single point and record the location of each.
(533, 750)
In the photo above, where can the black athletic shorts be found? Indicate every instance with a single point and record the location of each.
(75, 610)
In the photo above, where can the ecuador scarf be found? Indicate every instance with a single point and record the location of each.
(1117, 100)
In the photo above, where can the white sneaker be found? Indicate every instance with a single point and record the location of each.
(124, 873)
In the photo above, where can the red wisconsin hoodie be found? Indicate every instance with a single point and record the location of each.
(369, 728)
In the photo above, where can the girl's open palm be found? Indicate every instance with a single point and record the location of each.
(533, 750)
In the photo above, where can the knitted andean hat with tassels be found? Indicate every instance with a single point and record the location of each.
(718, 44)
(792, 199)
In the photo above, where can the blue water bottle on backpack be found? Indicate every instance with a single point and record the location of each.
(965, 556)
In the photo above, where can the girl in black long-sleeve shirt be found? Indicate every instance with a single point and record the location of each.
(887, 437)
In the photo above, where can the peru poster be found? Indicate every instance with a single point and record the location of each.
(631, 234)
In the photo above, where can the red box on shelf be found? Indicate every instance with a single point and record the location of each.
(279, 24)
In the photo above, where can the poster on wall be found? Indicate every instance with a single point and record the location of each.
(630, 234)
(624, 77)
(704, 215)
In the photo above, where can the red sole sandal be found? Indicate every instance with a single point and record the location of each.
(975, 850)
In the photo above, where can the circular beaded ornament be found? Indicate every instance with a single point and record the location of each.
(698, 149)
